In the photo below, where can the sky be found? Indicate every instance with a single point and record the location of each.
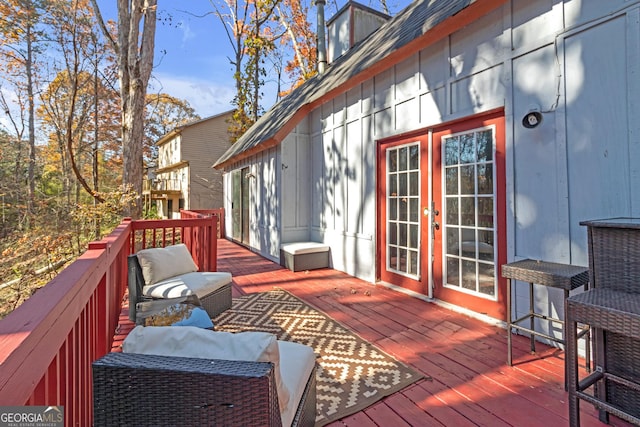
(193, 50)
(191, 59)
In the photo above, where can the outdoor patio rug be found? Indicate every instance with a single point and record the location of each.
(352, 374)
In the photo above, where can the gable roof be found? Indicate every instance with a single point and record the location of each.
(419, 25)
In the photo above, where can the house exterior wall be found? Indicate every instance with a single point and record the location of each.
(206, 141)
(169, 154)
(179, 180)
(338, 37)
(349, 26)
(198, 144)
(578, 62)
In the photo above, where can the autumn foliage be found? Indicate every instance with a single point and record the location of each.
(264, 34)
(61, 146)
(77, 126)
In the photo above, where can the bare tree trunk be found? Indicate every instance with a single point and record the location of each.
(256, 79)
(32, 127)
(134, 69)
(74, 72)
(385, 8)
(96, 145)
(294, 42)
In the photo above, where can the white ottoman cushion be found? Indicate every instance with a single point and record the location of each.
(300, 248)
(198, 283)
(298, 361)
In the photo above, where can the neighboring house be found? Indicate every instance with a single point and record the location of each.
(184, 178)
(459, 136)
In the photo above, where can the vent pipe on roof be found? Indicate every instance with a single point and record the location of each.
(322, 47)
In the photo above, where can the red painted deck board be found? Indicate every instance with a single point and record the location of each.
(467, 381)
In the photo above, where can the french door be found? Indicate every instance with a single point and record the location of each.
(469, 190)
(402, 195)
(442, 213)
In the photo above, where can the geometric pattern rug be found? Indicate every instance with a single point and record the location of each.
(352, 373)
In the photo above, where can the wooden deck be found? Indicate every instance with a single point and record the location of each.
(467, 381)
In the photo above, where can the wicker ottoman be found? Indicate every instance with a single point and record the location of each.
(217, 301)
(148, 390)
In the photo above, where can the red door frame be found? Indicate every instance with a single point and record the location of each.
(495, 309)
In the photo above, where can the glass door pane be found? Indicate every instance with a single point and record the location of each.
(403, 210)
(245, 205)
(469, 205)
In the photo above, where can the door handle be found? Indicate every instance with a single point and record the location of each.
(435, 212)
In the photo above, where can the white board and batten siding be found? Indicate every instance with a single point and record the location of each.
(578, 61)
(264, 202)
(296, 189)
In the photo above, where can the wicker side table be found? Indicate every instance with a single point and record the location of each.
(561, 276)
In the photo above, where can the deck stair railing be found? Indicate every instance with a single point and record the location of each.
(48, 343)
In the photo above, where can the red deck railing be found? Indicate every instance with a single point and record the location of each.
(203, 213)
(48, 343)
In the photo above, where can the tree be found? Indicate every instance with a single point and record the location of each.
(164, 113)
(234, 17)
(134, 52)
(67, 118)
(20, 44)
(254, 29)
(12, 157)
(68, 102)
(300, 38)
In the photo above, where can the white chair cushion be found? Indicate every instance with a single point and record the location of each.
(162, 263)
(298, 360)
(300, 248)
(191, 341)
(198, 283)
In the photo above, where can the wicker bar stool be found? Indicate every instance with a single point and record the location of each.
(617, 390)
(612, 308)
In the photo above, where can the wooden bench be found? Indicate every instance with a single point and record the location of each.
(299, 256)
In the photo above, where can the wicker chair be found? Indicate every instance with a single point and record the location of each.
(612, 308)
(148, 390)
(214, 303)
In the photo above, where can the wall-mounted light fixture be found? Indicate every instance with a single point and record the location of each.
(533, 117)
